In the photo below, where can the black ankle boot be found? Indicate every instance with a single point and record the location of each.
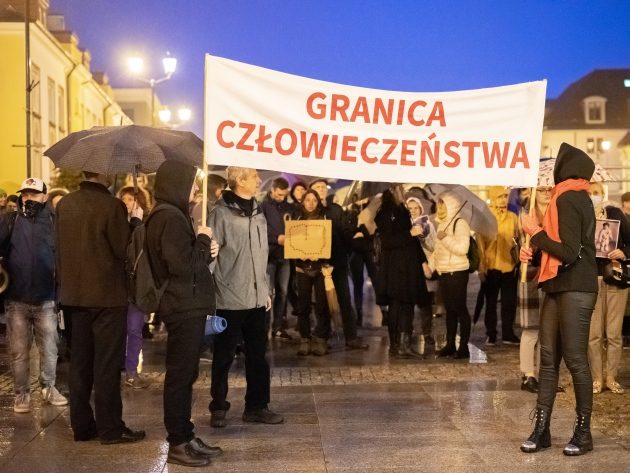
(540, 437)
(582, 441)
(446, 351)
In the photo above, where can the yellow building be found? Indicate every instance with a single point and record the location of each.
(65, 97)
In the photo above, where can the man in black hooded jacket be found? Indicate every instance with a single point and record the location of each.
(181, 259)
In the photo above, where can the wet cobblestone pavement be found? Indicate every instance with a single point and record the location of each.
(350, 411)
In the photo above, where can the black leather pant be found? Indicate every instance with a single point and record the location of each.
(564, 327)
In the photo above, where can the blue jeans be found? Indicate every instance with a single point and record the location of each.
(24, 319)
(279, 272)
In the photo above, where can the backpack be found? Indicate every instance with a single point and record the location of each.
(143, 291)
(474, 258)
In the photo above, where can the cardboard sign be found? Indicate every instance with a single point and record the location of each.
(264, 119)
(307, 239)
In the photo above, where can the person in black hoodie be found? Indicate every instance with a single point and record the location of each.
(568, 277)
(181, 259)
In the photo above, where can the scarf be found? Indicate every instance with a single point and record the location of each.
(549, 264)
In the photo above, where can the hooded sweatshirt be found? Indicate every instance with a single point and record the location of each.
(576, 225)
(450, 252)
(176, 254)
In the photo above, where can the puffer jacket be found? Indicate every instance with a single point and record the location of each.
(450, 253)
(31, 256)
(241, 266)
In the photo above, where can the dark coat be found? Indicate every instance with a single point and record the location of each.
(623, 242)
(576, 221)
(92, 233)
(275, 213)
(342, 233)
(400, 275)
(30, 255)
(176, 254)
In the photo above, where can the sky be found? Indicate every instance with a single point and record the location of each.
(404, 45)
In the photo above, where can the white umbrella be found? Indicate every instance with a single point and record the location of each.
(545, 173)
(474, 209)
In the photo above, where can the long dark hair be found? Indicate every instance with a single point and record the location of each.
(317, 212)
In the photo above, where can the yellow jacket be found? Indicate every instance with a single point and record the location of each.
(495, 253)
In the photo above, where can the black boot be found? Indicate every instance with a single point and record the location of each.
(582, 441)
(385, 313)
(540, 437)
(393, 340)
(404, 350)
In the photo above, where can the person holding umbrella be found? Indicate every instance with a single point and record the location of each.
(568, 277)
(92, 233)
(450, 260)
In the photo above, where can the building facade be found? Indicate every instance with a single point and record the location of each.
(593, 114)
(65, 96)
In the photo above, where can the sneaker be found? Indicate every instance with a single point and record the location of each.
(137, 382)
(491, 341)
(597, 387)
(282, 333)
(615, 387)
(263, 416)
(511, 340)
(54, 397)
(22, 403)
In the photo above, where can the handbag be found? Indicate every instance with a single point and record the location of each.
(617, 273)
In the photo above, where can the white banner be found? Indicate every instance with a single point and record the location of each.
(264, 119)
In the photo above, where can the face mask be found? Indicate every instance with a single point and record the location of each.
(31, 208)
(596, 199)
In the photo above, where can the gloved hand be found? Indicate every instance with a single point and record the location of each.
(137, 212)
(531, 225)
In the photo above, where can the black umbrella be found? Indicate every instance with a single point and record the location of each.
(125, 149)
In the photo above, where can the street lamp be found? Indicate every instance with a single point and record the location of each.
(184, 114)
(136, 67)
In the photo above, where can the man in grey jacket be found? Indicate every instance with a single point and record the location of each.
(243, 297)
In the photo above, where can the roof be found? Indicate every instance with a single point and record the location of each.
(567, 111)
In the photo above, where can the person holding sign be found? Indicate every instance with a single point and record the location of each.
(611, 299)
(341, 241)
(309, 277)
(568, 277)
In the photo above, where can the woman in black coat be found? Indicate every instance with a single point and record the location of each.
(401, 278)
(568, 277)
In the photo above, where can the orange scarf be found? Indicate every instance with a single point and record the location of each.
(549, 264)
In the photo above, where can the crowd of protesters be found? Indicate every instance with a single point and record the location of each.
(67, 251)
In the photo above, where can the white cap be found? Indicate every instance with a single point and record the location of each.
(33, 184)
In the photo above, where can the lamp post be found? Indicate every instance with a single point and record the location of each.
(136, 66)
(184, 114)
